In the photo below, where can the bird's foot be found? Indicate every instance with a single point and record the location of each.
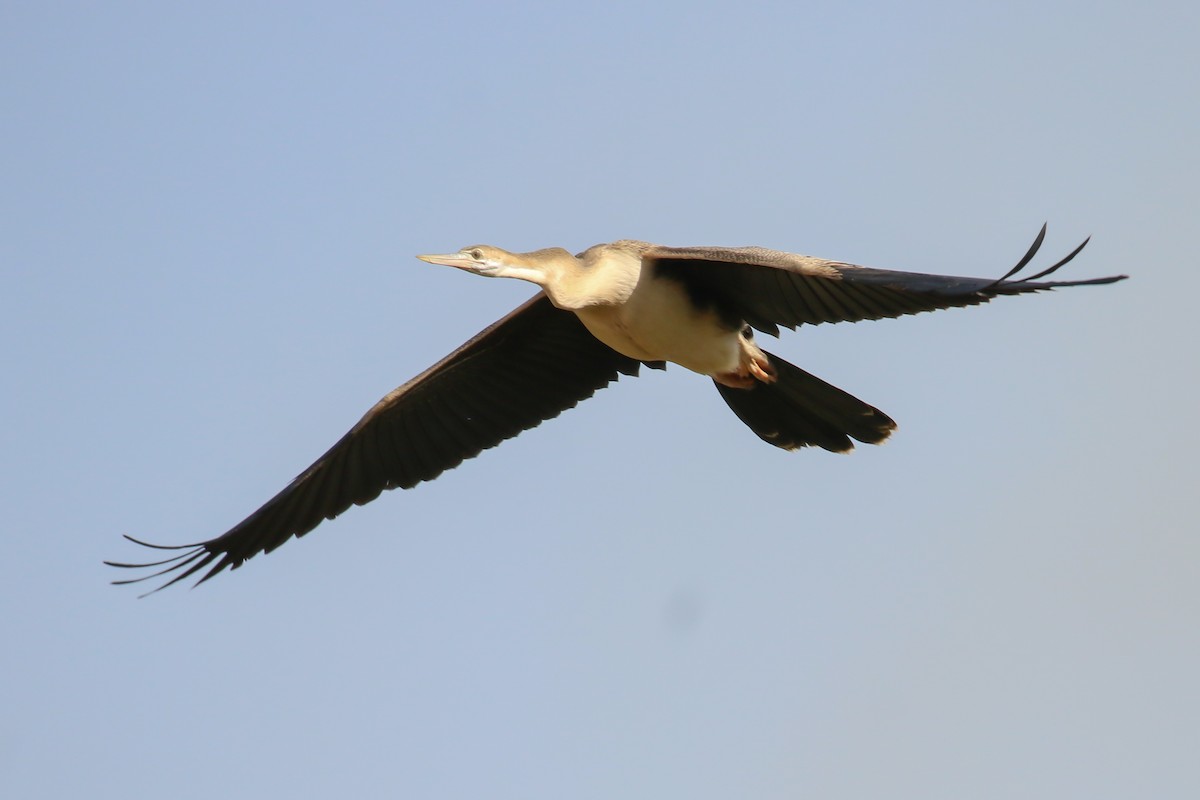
(756, 369)
(762, 370)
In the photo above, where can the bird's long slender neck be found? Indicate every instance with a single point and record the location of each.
(602, 276)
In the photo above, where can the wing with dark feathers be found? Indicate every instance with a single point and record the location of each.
(769, 288)
(528, 367)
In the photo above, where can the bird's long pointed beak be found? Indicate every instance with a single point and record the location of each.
(451, 260)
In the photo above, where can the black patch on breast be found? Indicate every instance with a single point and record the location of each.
(703, 292)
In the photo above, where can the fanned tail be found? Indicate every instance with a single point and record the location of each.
(801, 410)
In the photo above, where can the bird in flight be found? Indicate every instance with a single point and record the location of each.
(606, 312)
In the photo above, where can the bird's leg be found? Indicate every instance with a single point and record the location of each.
(753, 366)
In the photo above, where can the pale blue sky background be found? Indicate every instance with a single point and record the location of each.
(208, 218)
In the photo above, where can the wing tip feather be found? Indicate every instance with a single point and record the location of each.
(1004, 285)
(196, 557)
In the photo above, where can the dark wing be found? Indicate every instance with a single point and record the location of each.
(769, 288)
(528, 367)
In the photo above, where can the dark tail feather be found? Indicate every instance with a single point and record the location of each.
(801, 410)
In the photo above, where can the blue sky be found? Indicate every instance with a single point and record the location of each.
(209, 213)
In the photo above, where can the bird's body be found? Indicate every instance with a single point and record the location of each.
(651, 318)
(634, 308)
(608, 311)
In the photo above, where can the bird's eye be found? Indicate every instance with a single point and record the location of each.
(476, 254)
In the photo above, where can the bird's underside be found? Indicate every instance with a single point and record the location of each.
(607, 312)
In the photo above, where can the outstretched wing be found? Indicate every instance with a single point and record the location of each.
(528, 367)
(769, 288)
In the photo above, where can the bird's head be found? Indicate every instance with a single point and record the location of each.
(481, 259)
(493, 262)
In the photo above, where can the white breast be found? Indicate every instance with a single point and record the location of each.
(657, 322)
